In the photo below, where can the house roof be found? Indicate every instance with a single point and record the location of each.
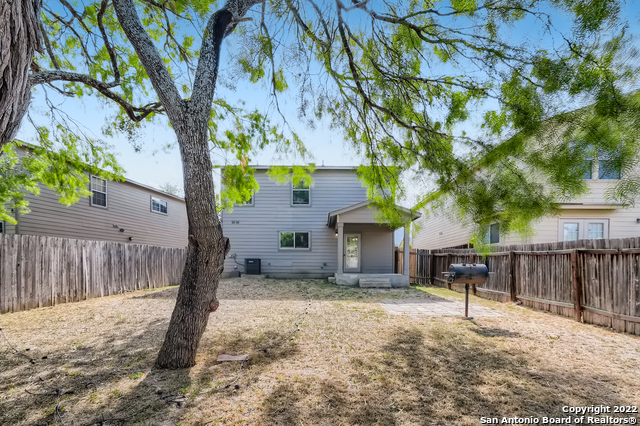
(31, 146)
(333, 215)
(142, 185)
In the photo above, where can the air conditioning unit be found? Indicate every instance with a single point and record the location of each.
(252, 266)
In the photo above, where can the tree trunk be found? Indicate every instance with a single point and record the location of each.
(20, 38)
(207, 246)
(190, 118)
(205, 254)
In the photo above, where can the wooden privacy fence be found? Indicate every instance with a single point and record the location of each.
(419, 265)
(594, 281)
(40, 271)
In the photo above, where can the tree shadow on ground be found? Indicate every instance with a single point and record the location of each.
(296, 290)
(78, 373)
(90, 379)
(438, 377)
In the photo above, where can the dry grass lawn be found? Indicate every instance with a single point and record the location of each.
(346, 362)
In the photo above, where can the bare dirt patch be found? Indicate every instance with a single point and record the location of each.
(320, 354)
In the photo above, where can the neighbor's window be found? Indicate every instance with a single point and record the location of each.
(494, 233)
(571, 231)
(158, 205)
(585, 167)
(98, 191)
(294, 240)
(607, 168)
(301, 193)
(596, 231)
(1, 227)
(577, 229)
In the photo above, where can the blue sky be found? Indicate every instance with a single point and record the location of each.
(154, 165)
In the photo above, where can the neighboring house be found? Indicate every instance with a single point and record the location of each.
(124, 212)
(589, 217)
(323, 230)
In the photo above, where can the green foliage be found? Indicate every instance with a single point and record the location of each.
(296, 174)
(61, 162)
(404, 81)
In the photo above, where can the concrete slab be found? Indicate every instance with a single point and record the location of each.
(374, 283)
(396, 280)
(435, 308)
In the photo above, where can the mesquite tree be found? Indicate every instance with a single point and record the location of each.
(400, 78)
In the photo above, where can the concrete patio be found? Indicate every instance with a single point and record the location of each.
(435, 308)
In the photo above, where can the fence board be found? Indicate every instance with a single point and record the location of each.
(542, 276)
(40, 271)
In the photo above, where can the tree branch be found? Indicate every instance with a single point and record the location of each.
(150, 58)
(107, 45)
(45, 77)
(208, 63)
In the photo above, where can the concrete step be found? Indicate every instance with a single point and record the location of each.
(374, 283)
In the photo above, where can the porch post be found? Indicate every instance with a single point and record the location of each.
(340, 248)
(405, 257)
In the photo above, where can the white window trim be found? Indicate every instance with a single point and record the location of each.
(583, 223)
(294, 241)
(299, 189)
(158, 199)
(106, 192)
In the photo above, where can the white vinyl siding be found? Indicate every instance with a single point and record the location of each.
(128, 209)
(255, 232)
(98, 192)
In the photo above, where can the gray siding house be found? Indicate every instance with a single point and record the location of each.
(124, 212)
(325, 230)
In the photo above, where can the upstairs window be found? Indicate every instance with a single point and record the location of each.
(607, 168)
(1, 227)
(301, 194)
(98, 192)
(587, 169)
(249, 202)
(603, 167)
(158, 205)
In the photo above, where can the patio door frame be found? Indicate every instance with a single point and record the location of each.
(359, 268)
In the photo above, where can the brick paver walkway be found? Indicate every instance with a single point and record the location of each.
(435, 308)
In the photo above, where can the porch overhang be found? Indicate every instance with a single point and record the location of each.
(349, 214)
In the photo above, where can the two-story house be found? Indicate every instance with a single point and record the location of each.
(589, 217)
(125, 212)
(322, 230)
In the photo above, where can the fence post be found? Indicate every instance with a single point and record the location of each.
(432, 267)
(446, 267)
(512, 276)
(577, 308)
